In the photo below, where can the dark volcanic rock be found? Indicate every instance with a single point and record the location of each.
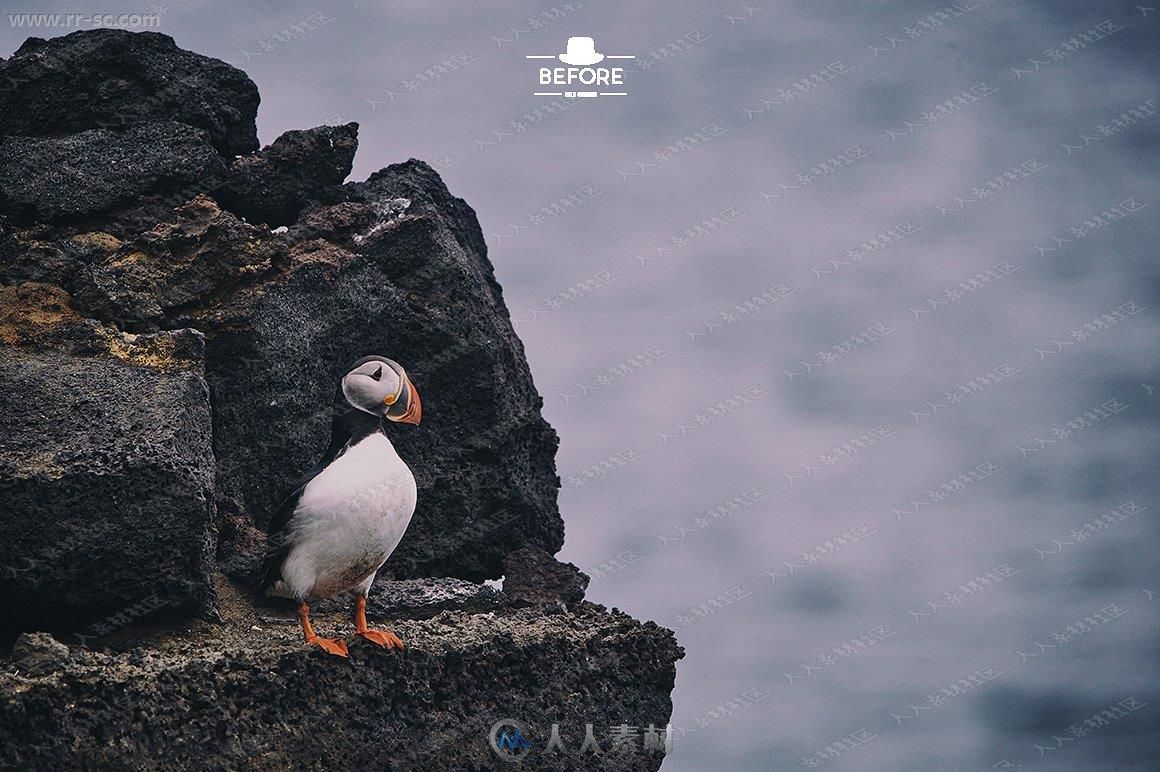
(342, 223)
(533, 576)
(422, 598)
(178, 266)
(112, 79)
(140, 174)
(37, 654)
(419, 290)
(273, 185)
(395, 265)
(245, 698)
(33, 255)
(167, 369)
(106, 469)
(23, 258)
(399, 599)
(240, 545)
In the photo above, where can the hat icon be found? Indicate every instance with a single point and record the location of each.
(581, 52)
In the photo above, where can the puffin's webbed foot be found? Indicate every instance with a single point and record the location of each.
(335, 646)
(384, 638)
(329, 645)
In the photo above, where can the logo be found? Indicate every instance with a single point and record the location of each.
(509, 740)
(581, 56)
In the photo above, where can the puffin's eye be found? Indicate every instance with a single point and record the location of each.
(378, 374)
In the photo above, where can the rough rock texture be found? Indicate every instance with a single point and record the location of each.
(139, 174)
(533, 576)
(253, 697)
(110, 79)
(32, 254)
(418, 598)
(167, 365)
(178, 267)
(401, 598)
(106, 468)
(273, 185)
(37, 654)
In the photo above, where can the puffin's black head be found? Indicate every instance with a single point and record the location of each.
(380, 386)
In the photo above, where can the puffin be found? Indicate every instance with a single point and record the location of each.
(338, 525)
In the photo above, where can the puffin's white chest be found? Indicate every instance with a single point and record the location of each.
(350, 518)
(366, 482)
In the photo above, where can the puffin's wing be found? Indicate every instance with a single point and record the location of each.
(278, 532)
(278, 538)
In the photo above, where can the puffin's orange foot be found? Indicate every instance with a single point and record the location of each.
(335, 646)
(383, 638)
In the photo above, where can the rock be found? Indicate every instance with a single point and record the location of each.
(106, 468)
(285, 315)
(31, 255)
(168, 272)
(38, 654)
(113, 79)
(273, 185)
(240, 546)
(340, 224)
(236, 697)
(24, 258)
(167, 369)
(38, 317)
(422, 598)
(533, 576)
(420, 290)
(131, 179)
(402, 599)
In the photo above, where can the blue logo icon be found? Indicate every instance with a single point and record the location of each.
(509, 739)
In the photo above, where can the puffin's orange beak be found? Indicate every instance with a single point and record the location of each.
(414, 406)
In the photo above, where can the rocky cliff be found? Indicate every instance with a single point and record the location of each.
(176, 305)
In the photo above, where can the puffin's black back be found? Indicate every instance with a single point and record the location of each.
(348, 426)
